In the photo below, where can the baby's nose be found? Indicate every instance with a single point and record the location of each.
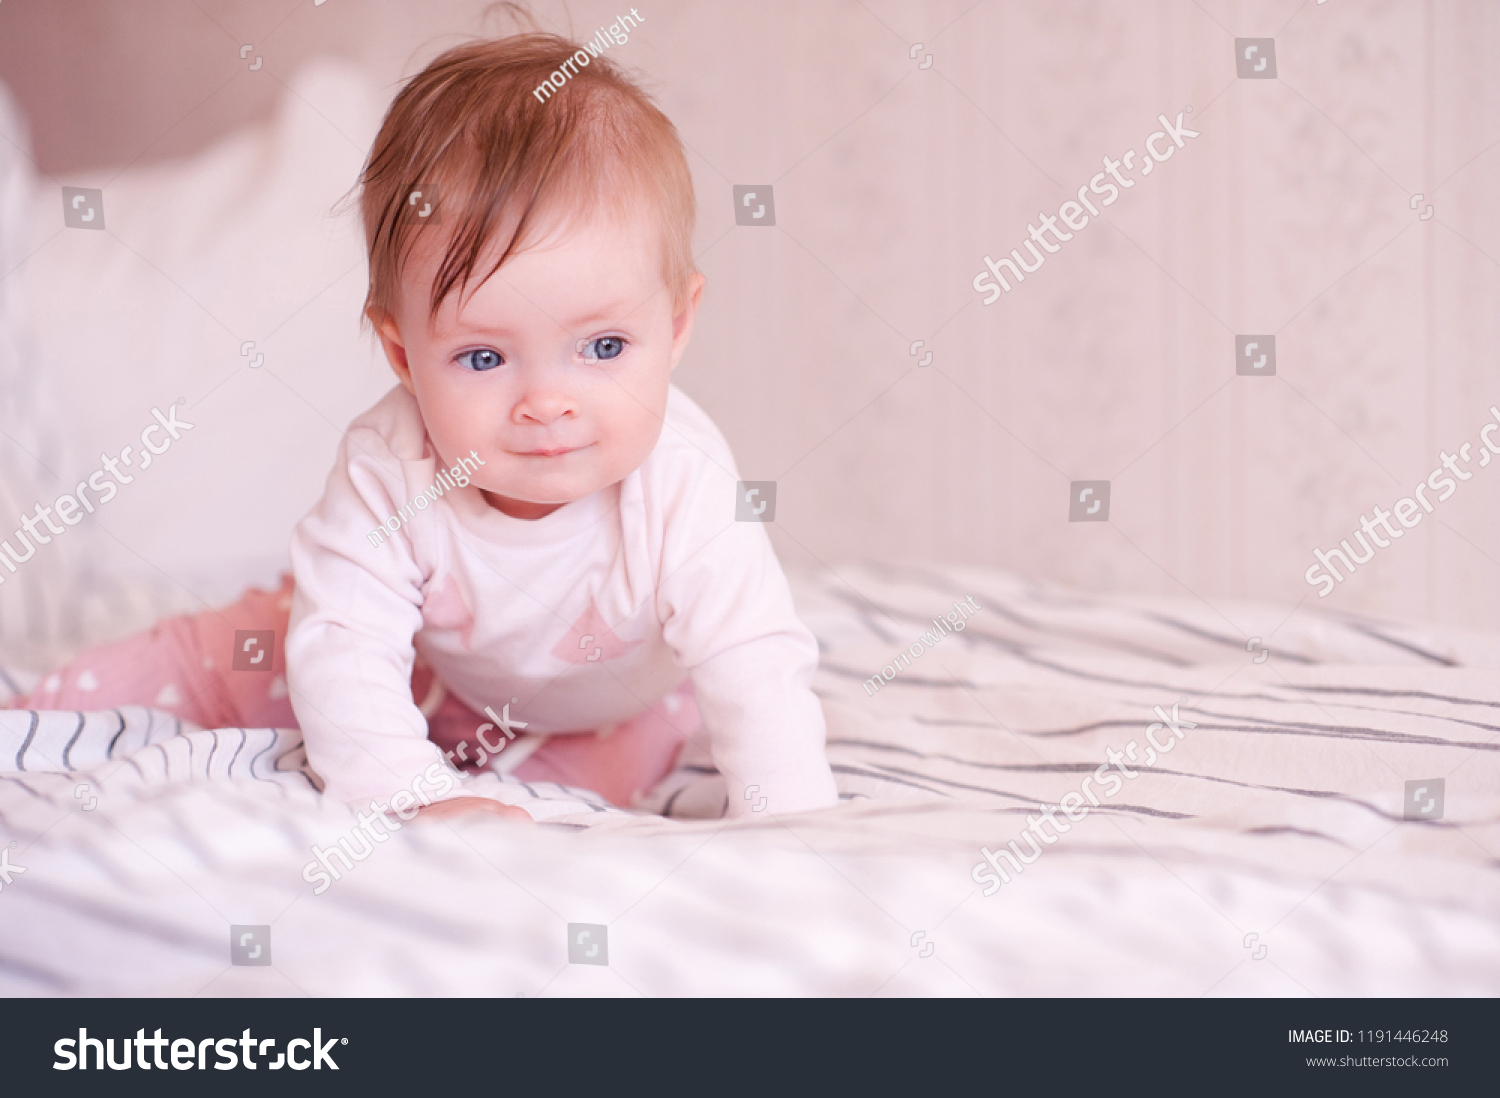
(545, 408)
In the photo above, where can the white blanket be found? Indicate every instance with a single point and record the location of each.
(1267, 853)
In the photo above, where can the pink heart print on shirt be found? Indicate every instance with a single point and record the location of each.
(445, 608)
(591, 640)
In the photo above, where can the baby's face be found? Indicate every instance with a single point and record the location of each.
(555, 371)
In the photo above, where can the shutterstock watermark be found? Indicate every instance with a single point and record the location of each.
(189, 1054)
(403, 804)
(72, 506)
(1159, 148)
(1072, 804)
(504, 721)
(376, 825)
(941, 627)
(1404, 510)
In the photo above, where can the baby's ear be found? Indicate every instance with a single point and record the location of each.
(682, 323)
(395, 348)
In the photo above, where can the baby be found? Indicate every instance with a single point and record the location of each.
(535, 512)
(534, 526)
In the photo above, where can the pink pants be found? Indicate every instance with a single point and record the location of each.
(185, 665)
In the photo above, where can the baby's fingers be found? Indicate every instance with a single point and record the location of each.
(462, 806)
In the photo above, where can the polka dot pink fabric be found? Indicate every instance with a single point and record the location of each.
(185, 665)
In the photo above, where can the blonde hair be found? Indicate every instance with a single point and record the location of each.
(499, 155)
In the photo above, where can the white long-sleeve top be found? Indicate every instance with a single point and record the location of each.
(585, 617)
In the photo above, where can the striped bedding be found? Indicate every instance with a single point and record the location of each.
(1267, 852)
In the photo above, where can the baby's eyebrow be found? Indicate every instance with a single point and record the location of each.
(468, 331)
(609, 312)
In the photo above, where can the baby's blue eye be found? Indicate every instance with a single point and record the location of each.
(482, 359)
(604, 348)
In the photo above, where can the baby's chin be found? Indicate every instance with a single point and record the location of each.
(563, 478)
(551, 491)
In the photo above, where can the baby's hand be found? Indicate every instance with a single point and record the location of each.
(460, 806)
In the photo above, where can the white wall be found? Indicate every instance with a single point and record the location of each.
(1289, 214)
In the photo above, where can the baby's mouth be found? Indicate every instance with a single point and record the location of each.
(549, 452)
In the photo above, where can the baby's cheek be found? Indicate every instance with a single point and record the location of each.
(448, 408)
(618, 449)
(645, 429)
(453, 422)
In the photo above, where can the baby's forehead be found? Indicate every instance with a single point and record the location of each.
(604, 258)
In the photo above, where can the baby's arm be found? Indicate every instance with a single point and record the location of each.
(349, 649)
(729, 617)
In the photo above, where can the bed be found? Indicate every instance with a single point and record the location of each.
(1268, 853)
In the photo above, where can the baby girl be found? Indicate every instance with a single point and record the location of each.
(533, 534)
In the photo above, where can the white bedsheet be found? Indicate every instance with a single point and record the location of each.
(1266, 854)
